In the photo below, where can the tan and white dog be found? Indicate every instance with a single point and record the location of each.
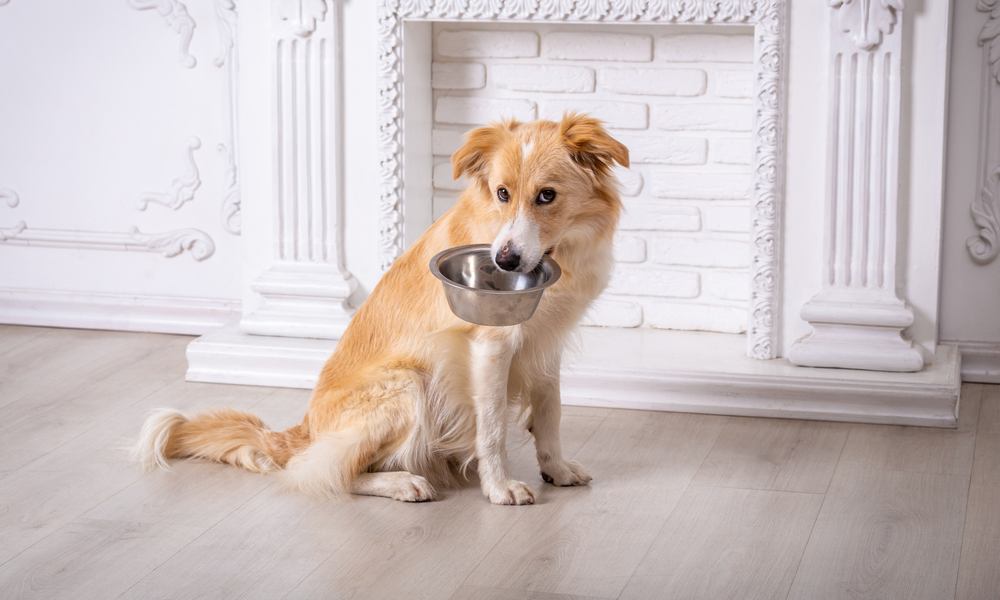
(413, 396)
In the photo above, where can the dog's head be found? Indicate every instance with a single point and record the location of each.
(548, 182)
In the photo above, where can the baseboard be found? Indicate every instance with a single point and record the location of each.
(123, 312)
(651, 370)
(980, 361)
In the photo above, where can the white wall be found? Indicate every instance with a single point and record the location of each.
(104, 105)
(679, 98)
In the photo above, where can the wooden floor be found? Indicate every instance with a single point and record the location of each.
(682, 506)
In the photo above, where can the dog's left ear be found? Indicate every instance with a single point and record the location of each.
(590, 144)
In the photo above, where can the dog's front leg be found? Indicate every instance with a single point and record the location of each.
(546, 411)
(491, 359)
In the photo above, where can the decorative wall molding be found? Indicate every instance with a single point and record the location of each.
(176, 16)
(984, 209)
(857, 318)
(231, 205)
(182, 189)
(989, 33)
(121, 311)
(767, 17)
(229, 59)
(9, 196)
(980, 361)
(225, 11)
(985, 245)
(867, 20)
(169, 243)
(301, 16)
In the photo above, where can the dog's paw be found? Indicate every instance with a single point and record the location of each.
(509, 492)
(414, 489)
(565, 473)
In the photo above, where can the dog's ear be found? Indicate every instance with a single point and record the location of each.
(480, 143)
(590, 144)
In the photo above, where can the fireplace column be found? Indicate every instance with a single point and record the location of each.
(858, 317)
(302, 288)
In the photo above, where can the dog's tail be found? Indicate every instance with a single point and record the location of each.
(225, 435)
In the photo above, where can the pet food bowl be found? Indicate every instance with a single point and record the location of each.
(480, 292)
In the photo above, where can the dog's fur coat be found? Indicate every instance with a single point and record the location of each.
(413, 396)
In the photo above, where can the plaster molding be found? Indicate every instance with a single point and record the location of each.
(301, 16)
(857, 318)
(225, 11)
(768, 18)
(176, 16)
(9, 196)
(984, 245)
(115, 311)
(170, 243)
(231, 209)
(867, 20)
(680, 372)
(304, 289)
(988, 34)
(182, 189)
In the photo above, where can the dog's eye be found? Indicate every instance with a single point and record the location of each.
(502, 194)
(545, 196)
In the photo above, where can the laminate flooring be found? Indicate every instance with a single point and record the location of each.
(682, 505)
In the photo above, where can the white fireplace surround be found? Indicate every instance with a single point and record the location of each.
(404, 213)
(299, 293)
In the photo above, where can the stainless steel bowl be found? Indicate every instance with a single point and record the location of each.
(480, 292)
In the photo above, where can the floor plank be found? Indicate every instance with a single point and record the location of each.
(682, 506)
(427, 551)
(891, 523)
(979, 571)
(63, 485)
(470, 592)
(588, 541)
(727, 543)
(780, 455)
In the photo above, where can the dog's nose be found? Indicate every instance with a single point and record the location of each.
(507, 258)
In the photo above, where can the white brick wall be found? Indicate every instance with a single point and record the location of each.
(680, 102)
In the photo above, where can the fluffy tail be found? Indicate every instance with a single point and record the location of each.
(225, 435)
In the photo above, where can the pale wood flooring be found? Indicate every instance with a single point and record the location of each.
(682, 506)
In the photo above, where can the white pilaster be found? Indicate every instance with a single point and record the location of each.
(303, 289)
(858, 317)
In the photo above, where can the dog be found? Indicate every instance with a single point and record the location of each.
(413, 396)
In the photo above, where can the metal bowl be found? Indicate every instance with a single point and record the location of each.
(480, 292)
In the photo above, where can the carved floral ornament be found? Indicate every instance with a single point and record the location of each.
(867, 20)
(301, 15)
(984, 245)
(768, 19)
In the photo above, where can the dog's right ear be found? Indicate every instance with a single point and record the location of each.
(475, 154)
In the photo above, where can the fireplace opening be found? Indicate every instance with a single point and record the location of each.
(680, 98)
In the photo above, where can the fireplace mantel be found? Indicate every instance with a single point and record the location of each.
(299, 292)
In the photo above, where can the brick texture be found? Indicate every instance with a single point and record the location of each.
(543, 78)
(486, 44)
(681, 103)
(458, 76)
(652, 82)
(704, 48)
(598, 46)
(703, 117)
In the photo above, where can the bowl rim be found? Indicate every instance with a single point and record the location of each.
(468, 248)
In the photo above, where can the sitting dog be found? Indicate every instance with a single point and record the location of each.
(413, 396)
